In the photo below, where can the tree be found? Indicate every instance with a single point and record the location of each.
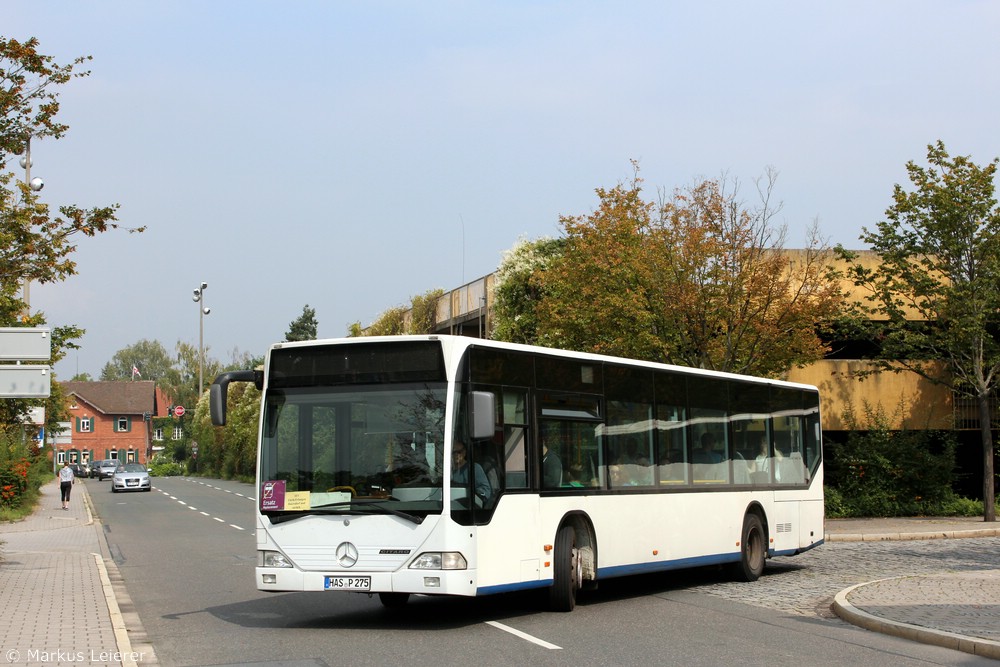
(517, 289)
(423, 311)
(392, 322)
(419, 318)
(937, 284)
(697, 280)
(36, 246)
(304, 327)
(148, 358)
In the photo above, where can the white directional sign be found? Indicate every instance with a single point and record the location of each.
(25, 381)
(25, 344)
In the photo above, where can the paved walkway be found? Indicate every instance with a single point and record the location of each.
(64, 602)
(62, 598)
(956, 610)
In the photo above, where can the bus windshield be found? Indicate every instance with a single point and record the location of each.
(353, 449)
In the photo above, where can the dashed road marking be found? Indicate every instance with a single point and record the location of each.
(191, 507)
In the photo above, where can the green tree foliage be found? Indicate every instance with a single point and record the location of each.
(882, 472)
(517, 289)
(697, 280)
(937, 284)
(35, 244)
(149, 357)
(304, 327)
(391, 322)
(418, 318)
(228, 451)
(423, 311)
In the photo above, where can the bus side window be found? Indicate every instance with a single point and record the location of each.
(515, 449)
(514, 458)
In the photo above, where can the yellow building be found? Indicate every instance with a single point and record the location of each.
(906, 399)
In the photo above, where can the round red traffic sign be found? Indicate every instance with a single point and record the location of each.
(179, 410)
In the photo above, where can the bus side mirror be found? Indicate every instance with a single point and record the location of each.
(482, 411)
(218, 393)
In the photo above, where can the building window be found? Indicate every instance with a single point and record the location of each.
(158, 433)
(121, 424)
(178, 433)
(86, 425)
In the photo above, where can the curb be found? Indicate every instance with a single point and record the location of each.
(130, 636)
(885, 537)
(848, 612)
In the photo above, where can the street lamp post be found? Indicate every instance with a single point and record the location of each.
(36, 184)
(203, 310)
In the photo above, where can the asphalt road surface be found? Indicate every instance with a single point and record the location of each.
(186, 552)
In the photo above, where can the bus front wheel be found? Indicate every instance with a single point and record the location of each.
(753, 549)
(567, 575)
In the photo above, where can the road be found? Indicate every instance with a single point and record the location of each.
(186, 553)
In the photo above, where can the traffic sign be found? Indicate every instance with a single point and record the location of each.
(25, 344)
(178, 410)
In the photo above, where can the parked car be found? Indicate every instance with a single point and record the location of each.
(79, 469)
(94, 468)
(130, 477)
(106, 469)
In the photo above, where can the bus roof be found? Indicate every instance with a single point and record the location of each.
(458, 343)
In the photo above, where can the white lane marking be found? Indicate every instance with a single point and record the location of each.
(523, 635)
(191, 507)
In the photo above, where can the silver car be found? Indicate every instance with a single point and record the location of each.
(106, 469)
(130, 477)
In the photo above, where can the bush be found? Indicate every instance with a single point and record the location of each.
(879, 472)
(160, 466)
(22, 473)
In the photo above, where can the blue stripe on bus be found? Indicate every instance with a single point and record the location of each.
(513, 588)
(643, 568)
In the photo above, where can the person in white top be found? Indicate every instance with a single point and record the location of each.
(65, 483)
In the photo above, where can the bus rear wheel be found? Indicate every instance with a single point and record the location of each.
(393, 600)
(567, 575)
(753, 549)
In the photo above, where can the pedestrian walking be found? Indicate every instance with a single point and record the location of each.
(65, 483)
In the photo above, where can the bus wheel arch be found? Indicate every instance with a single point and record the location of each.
(574, 561)
(753, 545)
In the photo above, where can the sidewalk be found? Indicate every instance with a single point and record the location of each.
(959, 611)
(61, 592)
(65, 603)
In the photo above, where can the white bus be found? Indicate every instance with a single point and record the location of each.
(444, 465)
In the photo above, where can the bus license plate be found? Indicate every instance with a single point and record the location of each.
(348, 583)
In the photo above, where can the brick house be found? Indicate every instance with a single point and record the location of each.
(110, 420)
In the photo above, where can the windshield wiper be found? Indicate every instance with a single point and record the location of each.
(368, 505)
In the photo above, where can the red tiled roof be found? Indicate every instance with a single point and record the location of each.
(118, 398)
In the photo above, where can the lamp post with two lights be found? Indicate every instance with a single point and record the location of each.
(203, 310)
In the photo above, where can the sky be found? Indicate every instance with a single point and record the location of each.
(349, 155)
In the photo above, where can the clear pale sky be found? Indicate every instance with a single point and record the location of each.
(350, 155)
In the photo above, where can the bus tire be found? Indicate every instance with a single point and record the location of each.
(393, 600)
(753, 549)
(567, 571)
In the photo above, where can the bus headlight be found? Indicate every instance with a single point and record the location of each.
(272, 559)
(440, 560)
